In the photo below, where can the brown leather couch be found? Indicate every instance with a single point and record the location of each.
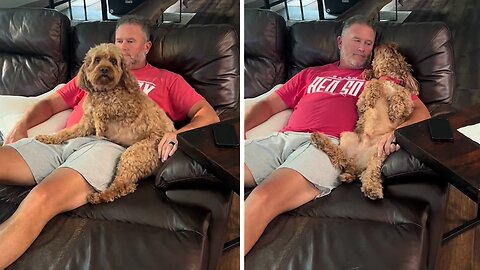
(161, 225)
(346, 230)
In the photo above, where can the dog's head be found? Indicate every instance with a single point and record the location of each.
(105, 69)
(388, 61)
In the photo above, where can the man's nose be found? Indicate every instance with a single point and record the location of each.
(362, 47)
(122, 46)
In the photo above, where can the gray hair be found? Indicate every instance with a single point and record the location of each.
(144, 24)
(357, 19)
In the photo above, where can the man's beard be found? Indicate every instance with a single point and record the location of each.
(352, 63)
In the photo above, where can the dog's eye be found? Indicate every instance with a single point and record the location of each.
(114, 61)
(96, 60)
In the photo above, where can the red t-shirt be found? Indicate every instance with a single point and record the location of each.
(167, 89)
(323, 99)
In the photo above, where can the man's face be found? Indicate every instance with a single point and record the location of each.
(134, 45)
(356, 46)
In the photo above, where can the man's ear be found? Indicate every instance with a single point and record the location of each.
(148, 46)
(339, 42)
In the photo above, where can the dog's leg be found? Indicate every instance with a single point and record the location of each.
(337, 157)
(83, 128)
(372, 92)
(137, 162)
(399, 105)
(371, 178)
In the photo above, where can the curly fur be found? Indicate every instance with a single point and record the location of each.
(117, 109)
(382, 107)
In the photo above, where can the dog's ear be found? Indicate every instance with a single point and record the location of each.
(368, 74)
(127, 80)
(411, 83)
(82, 81)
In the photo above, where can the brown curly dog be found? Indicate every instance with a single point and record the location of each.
(117, 109)
(384, 104)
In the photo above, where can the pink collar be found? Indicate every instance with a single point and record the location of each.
(392, 79)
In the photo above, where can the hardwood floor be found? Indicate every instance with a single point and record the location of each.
(230, 259)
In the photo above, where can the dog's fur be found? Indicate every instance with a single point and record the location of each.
(382, 107)
(117, 109)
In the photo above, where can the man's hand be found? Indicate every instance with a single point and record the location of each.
(167, 146)
(387, 145)
(17, 133)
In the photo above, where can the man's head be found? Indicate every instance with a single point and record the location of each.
(132, 36)
(356, 43)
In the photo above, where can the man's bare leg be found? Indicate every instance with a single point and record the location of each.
(63, 190)
(248, 178)
(13, 169)
(284, 190)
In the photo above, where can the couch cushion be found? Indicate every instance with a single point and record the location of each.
(210, 64)
(33, 50)
(265, 36)
(344, 229)
(108, 228)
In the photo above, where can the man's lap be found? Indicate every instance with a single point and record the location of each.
(291, 150)
(95, 159)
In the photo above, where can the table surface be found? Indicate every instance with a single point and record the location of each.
(457, 160)
(223, 162)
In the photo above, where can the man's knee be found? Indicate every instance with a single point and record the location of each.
(37, 200)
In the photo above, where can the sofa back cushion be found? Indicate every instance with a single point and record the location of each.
(426, 46)
(207, 56)
(265, 51)
(33, 50)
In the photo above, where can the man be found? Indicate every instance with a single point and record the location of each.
(63, 175)
(286, 170)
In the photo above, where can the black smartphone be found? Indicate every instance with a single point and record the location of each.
(440, 129)
(225, 135)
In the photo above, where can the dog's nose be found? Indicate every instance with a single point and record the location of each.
(104, 70)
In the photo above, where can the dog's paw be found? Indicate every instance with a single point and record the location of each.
(347, 177)
(99, 197)
(372, 192)
(48, 139)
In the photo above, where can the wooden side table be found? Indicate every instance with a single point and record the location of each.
(223, 162)
(457, 161)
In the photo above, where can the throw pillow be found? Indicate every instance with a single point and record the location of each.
(13, 107)
(273, 124)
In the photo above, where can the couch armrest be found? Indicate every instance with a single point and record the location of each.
(180, 171)
(402, 167)
(228, 113)
(440, 109)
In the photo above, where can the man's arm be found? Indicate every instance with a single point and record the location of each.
(263, 110)
(201, 114)
(420, 113)
(37, 114)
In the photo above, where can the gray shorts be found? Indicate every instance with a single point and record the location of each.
(94, 158)
(291, 150)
